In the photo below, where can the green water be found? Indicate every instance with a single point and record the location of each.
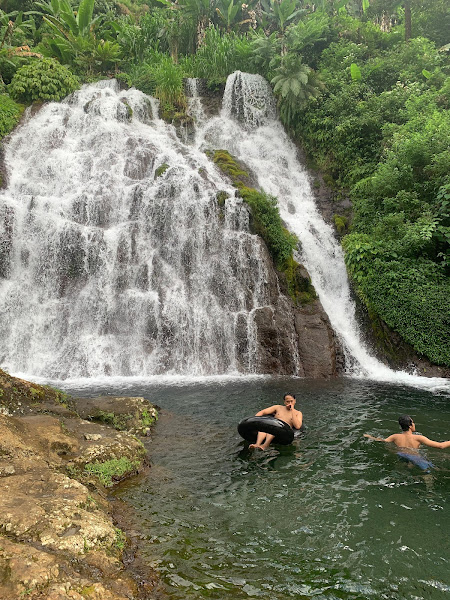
(332, 516)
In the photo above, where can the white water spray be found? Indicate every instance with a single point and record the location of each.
(117, 259)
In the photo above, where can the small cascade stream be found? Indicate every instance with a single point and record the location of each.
(256, 137)
(117, 258)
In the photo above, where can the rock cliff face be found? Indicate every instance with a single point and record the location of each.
(58, 538)
(295, 339)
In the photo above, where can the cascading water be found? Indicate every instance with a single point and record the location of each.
(195, 106)
(116, 258)
(257, 138)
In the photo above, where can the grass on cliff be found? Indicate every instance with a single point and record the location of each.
(266, 222)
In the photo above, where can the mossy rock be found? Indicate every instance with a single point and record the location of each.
(161, 170)
(129, 109)
(266, 222)
(230, 166)
(299, 285)
(135, 415)
(20, 397)
(221, 197)
(341, 224)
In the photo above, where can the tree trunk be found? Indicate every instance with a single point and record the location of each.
(408, 26)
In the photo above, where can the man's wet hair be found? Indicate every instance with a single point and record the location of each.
(405, 422)
(288, 394)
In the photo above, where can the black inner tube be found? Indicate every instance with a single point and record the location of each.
(249, 428)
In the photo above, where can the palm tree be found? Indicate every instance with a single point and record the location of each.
(265, 53)
(295, 84)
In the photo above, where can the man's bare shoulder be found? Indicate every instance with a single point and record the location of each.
(396, 438)
(273, 409)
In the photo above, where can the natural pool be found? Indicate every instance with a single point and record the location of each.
(332, 516)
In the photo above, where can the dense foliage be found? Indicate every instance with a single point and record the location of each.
(10, 113)
(363, 84)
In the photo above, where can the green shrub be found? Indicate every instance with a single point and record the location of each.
(42, 79)
(10, 113)
(410, 295)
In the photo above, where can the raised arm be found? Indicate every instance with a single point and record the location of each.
(391, 438)
(267, 411)
(424, 440)
(297, 419)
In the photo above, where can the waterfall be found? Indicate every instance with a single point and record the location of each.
(258, 139)
(195, 105)
(117, 258)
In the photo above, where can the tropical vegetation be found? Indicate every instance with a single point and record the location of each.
(362, 85)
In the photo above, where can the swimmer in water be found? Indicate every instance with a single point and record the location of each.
(285, 412)
(408, 438)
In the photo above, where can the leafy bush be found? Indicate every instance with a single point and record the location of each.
(10, 113)
(404, 63)
(410, 295)
(139, 40)
(42, 79)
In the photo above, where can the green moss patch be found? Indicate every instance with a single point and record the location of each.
(266, 222)
(161, 170)
(112, 471)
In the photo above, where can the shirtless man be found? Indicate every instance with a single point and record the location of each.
(286, 413)
(407, 439)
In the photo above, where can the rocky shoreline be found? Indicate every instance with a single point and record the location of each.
(60, 534)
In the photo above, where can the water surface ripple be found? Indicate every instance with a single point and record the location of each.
(332, 516)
